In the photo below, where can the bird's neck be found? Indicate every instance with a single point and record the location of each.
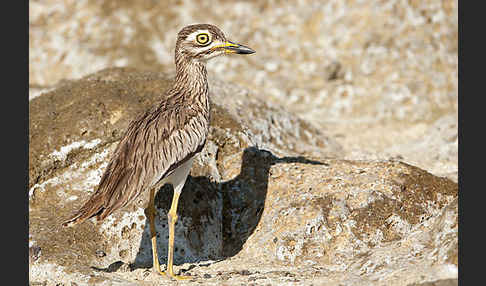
(191, 80)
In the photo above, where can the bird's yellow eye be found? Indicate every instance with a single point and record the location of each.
(202, 39)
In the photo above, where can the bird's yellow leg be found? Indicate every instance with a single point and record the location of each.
(172, 218)
(151, 217)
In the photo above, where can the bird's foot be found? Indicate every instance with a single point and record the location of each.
(178, 277)
(169, 274)
(157, 270)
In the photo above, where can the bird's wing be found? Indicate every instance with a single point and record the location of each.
(153, 145)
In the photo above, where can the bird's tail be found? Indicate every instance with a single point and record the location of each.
(108, 198)
(93, 207)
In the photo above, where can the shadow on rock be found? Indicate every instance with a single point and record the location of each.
(215, 218)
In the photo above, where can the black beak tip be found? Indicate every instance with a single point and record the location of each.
(245, 51)
(240, 49)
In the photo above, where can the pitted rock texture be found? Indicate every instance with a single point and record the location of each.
(268, 200)
(74, 129)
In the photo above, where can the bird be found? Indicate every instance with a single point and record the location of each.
(160, 144)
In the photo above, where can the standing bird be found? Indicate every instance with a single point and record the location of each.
(159, 146)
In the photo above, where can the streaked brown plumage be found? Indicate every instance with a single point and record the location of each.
(159, 145)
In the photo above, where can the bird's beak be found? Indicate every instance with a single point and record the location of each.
(233, 48)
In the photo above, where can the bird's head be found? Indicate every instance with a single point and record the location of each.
(201, 42)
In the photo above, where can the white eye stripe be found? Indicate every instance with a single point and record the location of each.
(192, 36)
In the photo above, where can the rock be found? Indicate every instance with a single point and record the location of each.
(318, 214)
(431, 146)
(445, 282)
(440, 139)
(268, 201)
(75, 127)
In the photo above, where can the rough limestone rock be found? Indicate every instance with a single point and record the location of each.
(268, 200)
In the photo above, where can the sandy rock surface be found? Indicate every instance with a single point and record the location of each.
(332, 157)
(258, 207)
